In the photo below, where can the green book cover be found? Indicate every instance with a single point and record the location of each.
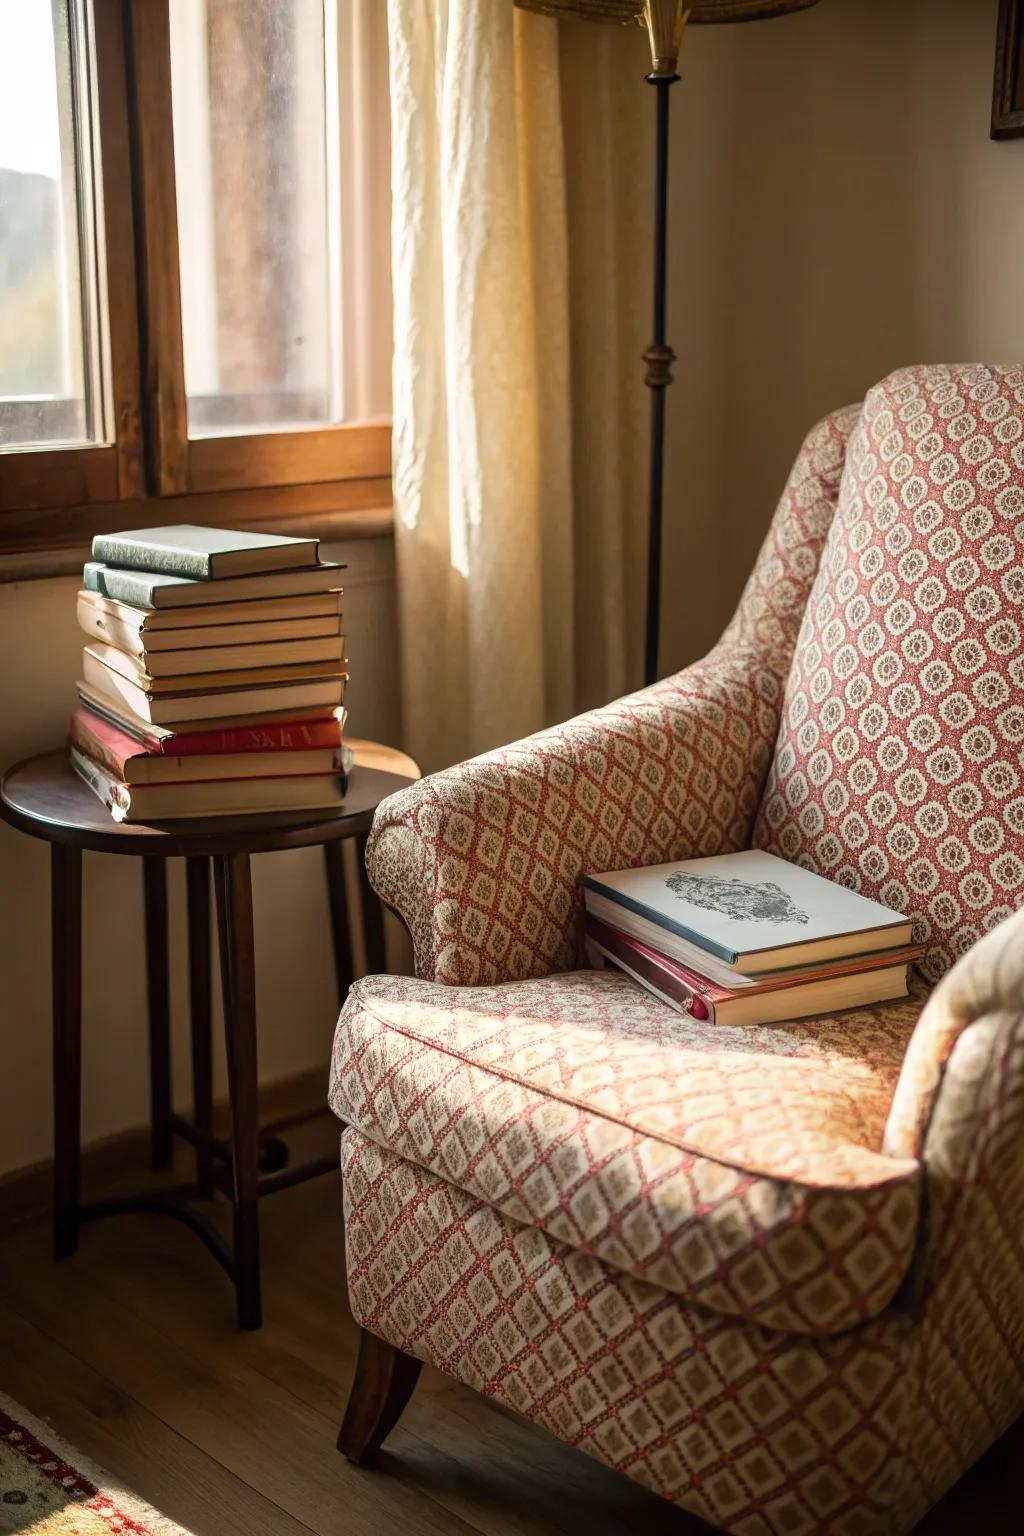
(202, 554)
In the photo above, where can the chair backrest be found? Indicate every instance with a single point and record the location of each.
(898, 769)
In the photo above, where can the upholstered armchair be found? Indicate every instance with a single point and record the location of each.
(775, 1274)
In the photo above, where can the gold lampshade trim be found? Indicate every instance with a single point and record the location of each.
(701, 12)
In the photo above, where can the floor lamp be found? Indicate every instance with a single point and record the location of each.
(665, 20)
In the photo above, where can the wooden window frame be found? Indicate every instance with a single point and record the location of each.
(86, 474)
(328, 481)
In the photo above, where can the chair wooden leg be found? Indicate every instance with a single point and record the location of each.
(383, 1384)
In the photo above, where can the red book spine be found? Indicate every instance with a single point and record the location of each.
(281, 736)
(284, 736)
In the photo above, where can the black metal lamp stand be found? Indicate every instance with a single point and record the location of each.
(659, 358)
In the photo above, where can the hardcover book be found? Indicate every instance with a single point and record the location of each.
(223, 797)
(751, 912)
(144, 589)
(130, 761)
(131, 629)
(193, 663)
(303, 729)
(134, 668)
(202, 554)
(775, 998)
(224, 705)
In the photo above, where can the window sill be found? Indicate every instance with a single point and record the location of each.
(39, 544)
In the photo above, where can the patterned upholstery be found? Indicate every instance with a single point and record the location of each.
(740, 1170)
(482, 862)
(777, 1274)
(754, 1430)
(898, 765)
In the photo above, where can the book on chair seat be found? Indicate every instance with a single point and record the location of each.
(749, 912)
(776, 997)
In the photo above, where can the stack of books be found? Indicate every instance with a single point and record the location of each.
(213, 679)
(746, 938)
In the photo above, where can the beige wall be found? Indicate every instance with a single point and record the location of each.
(870, 222)
(39, 643)
(838, 209)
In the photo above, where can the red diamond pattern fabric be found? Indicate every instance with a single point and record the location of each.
(739, 1168)
(483, 862)
(898, 767)
(760, 1432)
(778, 1274)
(755, 1431)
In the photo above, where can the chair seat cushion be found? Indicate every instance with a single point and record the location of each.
(740, 1168)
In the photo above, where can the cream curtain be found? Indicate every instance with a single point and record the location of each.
(519, 507)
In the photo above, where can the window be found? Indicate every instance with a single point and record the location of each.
(257, 206)
(50, 352)
(194, 288)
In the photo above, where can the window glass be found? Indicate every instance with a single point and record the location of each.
(256, 169)
(49, 334)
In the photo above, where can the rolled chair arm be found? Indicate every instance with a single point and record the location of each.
(959, 1106)
(483, 861)
(987, 982)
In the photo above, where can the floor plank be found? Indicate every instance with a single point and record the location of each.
(142, 1309)
(130, 1350)
(112, 1429)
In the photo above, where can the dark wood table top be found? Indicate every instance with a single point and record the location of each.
(44, 797)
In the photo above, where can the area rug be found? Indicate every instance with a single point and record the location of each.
(50, 1489)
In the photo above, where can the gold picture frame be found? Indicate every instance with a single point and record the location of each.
(1008, 87)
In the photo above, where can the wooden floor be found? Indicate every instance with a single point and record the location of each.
(130, 1351)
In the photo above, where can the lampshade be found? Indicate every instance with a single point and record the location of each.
(665, 18)
(700, 10)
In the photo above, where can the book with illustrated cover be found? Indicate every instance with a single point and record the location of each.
(749, 912)
(148, 589)
(772, 999)
(202, 554)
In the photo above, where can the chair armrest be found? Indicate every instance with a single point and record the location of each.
(961, 1101)
(988, 981)
(483, 861)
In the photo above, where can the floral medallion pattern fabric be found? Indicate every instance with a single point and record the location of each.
(776, 1275)
(482, 862)
(898, 770)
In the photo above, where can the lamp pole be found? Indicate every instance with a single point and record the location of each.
(665, 23)
(659, 358)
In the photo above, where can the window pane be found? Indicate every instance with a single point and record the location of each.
(256, 176)
(46, 339)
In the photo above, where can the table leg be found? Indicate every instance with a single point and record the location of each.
(373, 917)
(234, 920)
(341, 935)
(66, 964)
(197, 889)
(154, 877)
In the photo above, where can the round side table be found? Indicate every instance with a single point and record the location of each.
(44, 797)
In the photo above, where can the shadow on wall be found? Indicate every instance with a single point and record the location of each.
(873, 224)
